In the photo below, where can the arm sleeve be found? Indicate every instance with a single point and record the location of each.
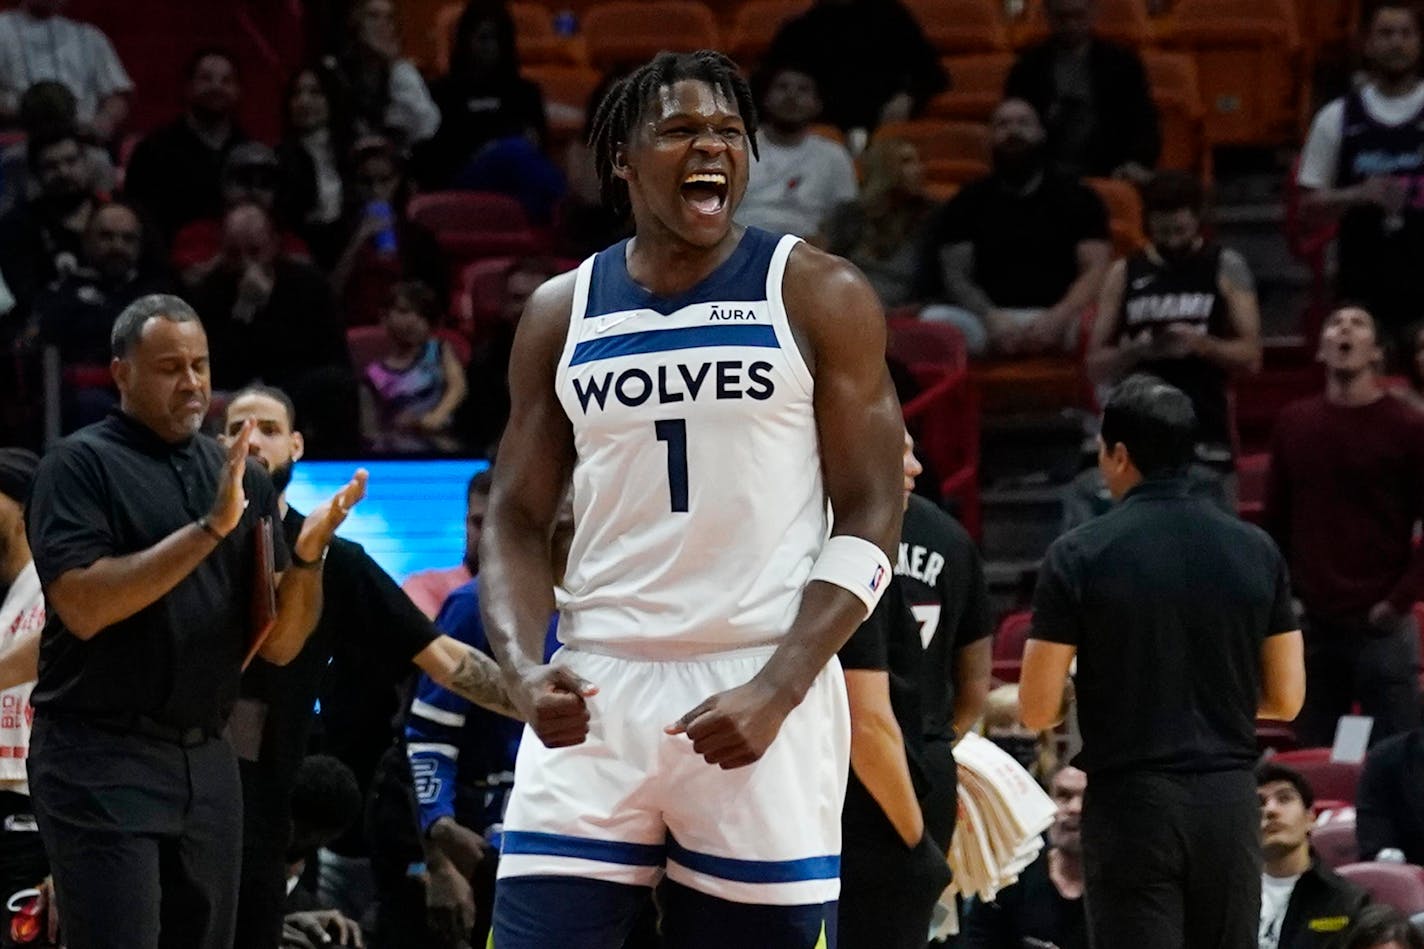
(1375, 827)
(1320, 160)
(436, 720)
(1283, 618)
(977, 620)
(68, 513)
(1057, 617)
(395, 625)
(411, 109)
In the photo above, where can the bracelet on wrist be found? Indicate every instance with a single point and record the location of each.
(206, 523)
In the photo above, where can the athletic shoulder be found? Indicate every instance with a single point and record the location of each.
(831, 305)
(544, 324)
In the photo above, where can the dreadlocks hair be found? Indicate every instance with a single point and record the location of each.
(623, 106)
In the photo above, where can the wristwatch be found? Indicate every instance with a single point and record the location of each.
(301, 564)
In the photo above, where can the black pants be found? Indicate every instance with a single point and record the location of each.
(888, 890)
(144, 836)
(1172, 861)
(22, 854)
(262, 897)
(1348, 662)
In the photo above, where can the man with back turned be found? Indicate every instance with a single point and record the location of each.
(1181, 621)
(145, 535)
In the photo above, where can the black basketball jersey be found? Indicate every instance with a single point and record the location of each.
(1158, 293)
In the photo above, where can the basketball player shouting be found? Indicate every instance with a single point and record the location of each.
(708, 387)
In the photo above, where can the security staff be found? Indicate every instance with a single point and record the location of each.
(1180, 618)
(147, 541)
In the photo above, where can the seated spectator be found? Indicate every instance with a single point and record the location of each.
(428, 589)
(870, 59)
(1185, 311)
(76, 314)
(1363, 165)
(175, 173)
(1381, 927)
(325, 801)
(268, 319)
(315, 151)
(492, 128)
(1036, 752)
(250, 175)
(377, 246)
(1303, 904)
(485, 412)
(586, 223)
(1093, 96)
(882, 230)
(797, 178)
(1018, 257)
(1389, 808)
(411, 393)
(388, 95)
(41, 240)
(36, 44)
(1045, 906)
(45, 107)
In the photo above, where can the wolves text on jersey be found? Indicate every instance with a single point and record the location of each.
(632, 387)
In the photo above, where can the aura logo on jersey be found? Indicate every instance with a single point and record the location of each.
(669, 384)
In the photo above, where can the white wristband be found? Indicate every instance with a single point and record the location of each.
(854, 564)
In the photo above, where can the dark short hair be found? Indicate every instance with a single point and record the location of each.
(1154, 421)
(46, 139)
(480, 483)
(1170, 191)
(1269, 772)
(1367, 22)
(418, 296)
(128, 327)
(190, 67)
(269, 392)
(763, 78)
(1377, 925)
(325, 794)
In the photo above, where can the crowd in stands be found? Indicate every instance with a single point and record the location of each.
(329, 262)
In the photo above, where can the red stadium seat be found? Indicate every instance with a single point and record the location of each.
(1335, 843)
(566, 92)
(976, 87)
(1400, 885)
(1336, 780)
(944, 417)
(1179, 110)
(962, 26)
(471, 224)
(1120, 21)
(1009, 641)
(1251, 473)
(755, 26)
(1124, 213)
(630, 31)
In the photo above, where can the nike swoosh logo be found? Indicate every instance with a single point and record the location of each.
(608, 322)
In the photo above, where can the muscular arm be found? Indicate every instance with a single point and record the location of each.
(1241, 354)
(957, 265)
(468, 673)
(877, 752)
(1282, 676)
(862, 438)
(21, 662)
(111, 589)
(1043, 690)
(535, 460)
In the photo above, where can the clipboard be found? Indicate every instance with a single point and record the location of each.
(264, 588)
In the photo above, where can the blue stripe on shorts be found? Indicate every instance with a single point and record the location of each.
(756, 871)
(583, 848)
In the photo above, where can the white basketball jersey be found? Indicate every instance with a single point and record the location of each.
(698, 503)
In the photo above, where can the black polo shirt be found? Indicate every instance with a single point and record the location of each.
(115, 488)
(942, 575)
(362, 610)
(1168, 601)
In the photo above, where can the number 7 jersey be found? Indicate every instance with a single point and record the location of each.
(698, 502)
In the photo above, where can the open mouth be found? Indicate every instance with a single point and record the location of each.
(705, 191)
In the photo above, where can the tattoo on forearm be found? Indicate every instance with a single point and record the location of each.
(477, 678)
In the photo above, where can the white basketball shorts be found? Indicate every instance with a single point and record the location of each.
(632, 802)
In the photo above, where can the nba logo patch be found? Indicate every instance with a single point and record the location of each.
(875, 580)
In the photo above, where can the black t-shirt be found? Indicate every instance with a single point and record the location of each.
(362, 609)
(1168, 601)
(77, 313)
(1025, 246)
(942, 576)
(115, 488)
(1032, 908)
(175, 176)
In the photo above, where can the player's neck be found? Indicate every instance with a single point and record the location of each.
(666, 265)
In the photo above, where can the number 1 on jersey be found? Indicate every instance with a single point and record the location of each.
(674, 432)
